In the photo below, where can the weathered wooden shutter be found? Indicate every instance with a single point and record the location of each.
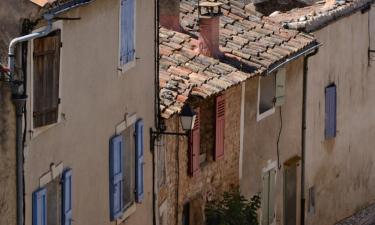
(265, 197)
(271, 197)
(220, 127)
(139, 161)
(127, 31)
(330, 112)
(46, 79)
(116, 176)
(280, 87)
(67, 197)
(40, 207)
(195, 146)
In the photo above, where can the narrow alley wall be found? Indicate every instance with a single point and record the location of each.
(11, 14)
(340, 170)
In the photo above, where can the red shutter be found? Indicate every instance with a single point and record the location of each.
(195, 146)
(220, 127)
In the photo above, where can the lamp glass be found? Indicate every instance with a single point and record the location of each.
(187, 122)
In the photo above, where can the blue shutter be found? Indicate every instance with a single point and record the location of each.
(330, 111)
(127, 31)
(139, 160)
(116, 176)
(67, 197)
(40, 207)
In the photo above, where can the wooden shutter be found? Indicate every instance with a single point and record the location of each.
(46, 79)
(265, 197)
(280, 87)
(139, 161)
(271, 197)
(220, 127)
(67, 197)
(195, 146)
(40, 207)
(127, 31)
(116, 176)
(330, 112)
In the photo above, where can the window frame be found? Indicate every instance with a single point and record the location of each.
(270, 111)
(55, 174)
(35, 131)
(268, 169)
(123, 68)
(130, 122)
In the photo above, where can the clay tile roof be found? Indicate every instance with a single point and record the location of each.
(251, 47)
(318, 15)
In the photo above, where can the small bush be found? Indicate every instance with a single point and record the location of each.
(233, 209)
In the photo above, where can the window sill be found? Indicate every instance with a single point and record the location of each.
(35, 132)
(128, 212)
(265, 114)
(126, 67)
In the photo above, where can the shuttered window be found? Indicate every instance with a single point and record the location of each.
(220, 127)
(330, 112)
(46, 56)
(194, 150)
(116, 176)
(139, 160)
(40, 207)
(127, 52)
(268, 197)
(67, 197)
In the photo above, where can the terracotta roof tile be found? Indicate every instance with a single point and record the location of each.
(250, 46)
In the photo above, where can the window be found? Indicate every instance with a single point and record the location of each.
(207, 136)
(194, 149)
(219, 127)
(268, 196)
(126, 169)
(127, 35)
(330, 111)
(52, 204)
(46, 64)
(271, 93)
(186, 214)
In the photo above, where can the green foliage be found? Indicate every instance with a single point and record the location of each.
(233, 209)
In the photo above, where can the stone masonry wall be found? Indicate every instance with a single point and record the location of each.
(11, 14)
(215, 177)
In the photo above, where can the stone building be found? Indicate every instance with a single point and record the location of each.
(251, 69)
(86, 151)
(13, 14)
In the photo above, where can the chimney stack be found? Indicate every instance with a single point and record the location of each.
(170, 14)
(209, 25)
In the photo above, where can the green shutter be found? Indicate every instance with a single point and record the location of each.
(271, 197)
(265, 199)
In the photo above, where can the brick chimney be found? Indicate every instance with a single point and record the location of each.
(170, 14)
(209, 25)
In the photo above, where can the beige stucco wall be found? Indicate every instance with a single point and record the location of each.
(95, 98)
(260, 138)
(342, 169)
(11, 13)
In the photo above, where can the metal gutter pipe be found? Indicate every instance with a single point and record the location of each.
(157, 114)
(14, 42)
(19, 100)
(303, 138)
(294, 57)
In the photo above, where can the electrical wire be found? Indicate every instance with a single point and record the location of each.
(278, 140)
